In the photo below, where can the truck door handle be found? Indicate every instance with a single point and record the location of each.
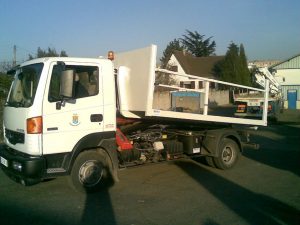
(52, 128)
(96, 118)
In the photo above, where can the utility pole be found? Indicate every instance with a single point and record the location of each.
(15, 56)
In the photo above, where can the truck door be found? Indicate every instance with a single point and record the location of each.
(292, 99)
(63, 128)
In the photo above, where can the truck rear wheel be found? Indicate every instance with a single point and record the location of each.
(228, 154)
(90, 171)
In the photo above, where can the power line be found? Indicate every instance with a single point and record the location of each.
(12, 52)
(15, 55)
(11, 46)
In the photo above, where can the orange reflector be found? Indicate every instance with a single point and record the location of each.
(35, 125)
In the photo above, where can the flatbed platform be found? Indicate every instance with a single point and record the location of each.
(138, 69)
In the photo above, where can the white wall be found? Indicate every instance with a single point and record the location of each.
(289, 79)
(174, 62)
(288, 76)
(219, 97)
(162, 100)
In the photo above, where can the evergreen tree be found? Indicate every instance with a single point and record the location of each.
(245, 73)
(227, 68)
(234, 67)
(5, 82)
(63, 53)
(167, 53)
(51, 52)
(197, 45)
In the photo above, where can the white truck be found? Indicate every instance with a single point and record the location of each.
(250, 103)
(87, 118)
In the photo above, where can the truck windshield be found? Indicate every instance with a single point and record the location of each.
(24, 86)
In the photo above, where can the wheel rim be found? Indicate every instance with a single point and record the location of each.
(90, 173)
(227, 155)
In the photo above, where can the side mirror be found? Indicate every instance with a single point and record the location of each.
(67, 88)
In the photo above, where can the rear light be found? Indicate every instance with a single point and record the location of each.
(35, 125)
(269, 108)
(241, 108)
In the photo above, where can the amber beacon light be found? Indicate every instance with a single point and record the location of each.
(35, 125)
(111, 55)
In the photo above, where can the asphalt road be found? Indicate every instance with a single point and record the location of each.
(263, 188)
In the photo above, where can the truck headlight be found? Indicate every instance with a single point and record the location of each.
(17, 166)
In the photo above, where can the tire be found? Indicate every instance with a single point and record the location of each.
(90, 171)
(228, 154)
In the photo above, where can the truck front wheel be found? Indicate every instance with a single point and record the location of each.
(228, 154)
(90, 171)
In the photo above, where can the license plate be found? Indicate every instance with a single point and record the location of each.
(254, 104)
(4, 162)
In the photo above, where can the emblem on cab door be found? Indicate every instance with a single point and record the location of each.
(75, 120)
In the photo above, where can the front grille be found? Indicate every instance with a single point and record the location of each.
(14, 137)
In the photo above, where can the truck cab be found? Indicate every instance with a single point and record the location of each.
(48, 119)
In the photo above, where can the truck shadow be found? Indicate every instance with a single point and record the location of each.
(54, 203)
(98, 209)
(288, 160)
(252, 207)
(279, 149)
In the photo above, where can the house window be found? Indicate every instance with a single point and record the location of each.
(200, 84)
(174, 68)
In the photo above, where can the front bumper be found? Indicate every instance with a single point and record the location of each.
(22, 168)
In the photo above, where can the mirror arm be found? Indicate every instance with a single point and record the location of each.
(60, 104)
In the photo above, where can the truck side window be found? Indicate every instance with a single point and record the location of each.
(86, 82)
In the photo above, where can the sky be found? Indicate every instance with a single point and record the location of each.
(268, 29)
